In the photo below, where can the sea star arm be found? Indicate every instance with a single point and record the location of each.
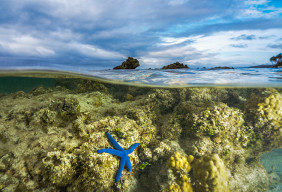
(121, 167)
(113, 141)
(131, 149)
(111, 151)
(128, 163)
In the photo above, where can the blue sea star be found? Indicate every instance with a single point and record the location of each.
(123, 154)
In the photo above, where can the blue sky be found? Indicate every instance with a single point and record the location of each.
(156, 32)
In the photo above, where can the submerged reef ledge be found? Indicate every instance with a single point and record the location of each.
(191, 139)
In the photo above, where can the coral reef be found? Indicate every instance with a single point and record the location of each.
(49, 137)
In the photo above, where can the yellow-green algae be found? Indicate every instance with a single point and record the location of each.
(49, 137)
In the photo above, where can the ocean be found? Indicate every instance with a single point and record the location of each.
(198, 130)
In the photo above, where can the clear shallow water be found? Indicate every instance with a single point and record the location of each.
(48, 123)
(240, 77)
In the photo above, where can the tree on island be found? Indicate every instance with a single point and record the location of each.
(277, 60)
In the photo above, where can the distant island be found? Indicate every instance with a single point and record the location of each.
(130, 63)
(262, 66)
(176, 65)
(216, 68)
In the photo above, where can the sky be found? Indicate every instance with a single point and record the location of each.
(102, 34)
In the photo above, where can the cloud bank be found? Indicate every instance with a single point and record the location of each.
(158, 32)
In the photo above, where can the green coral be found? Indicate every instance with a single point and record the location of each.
(210, 174)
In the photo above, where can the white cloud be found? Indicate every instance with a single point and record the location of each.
(166, 41)
(92, 51)
(220, 41)
(255, 51)
(218, 48)
(14, 42)
(259, 8)
(256, 2)
(48, 45)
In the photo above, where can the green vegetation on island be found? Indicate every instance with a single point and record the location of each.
(277, 60)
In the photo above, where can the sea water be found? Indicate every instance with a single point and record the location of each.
(199, 130)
